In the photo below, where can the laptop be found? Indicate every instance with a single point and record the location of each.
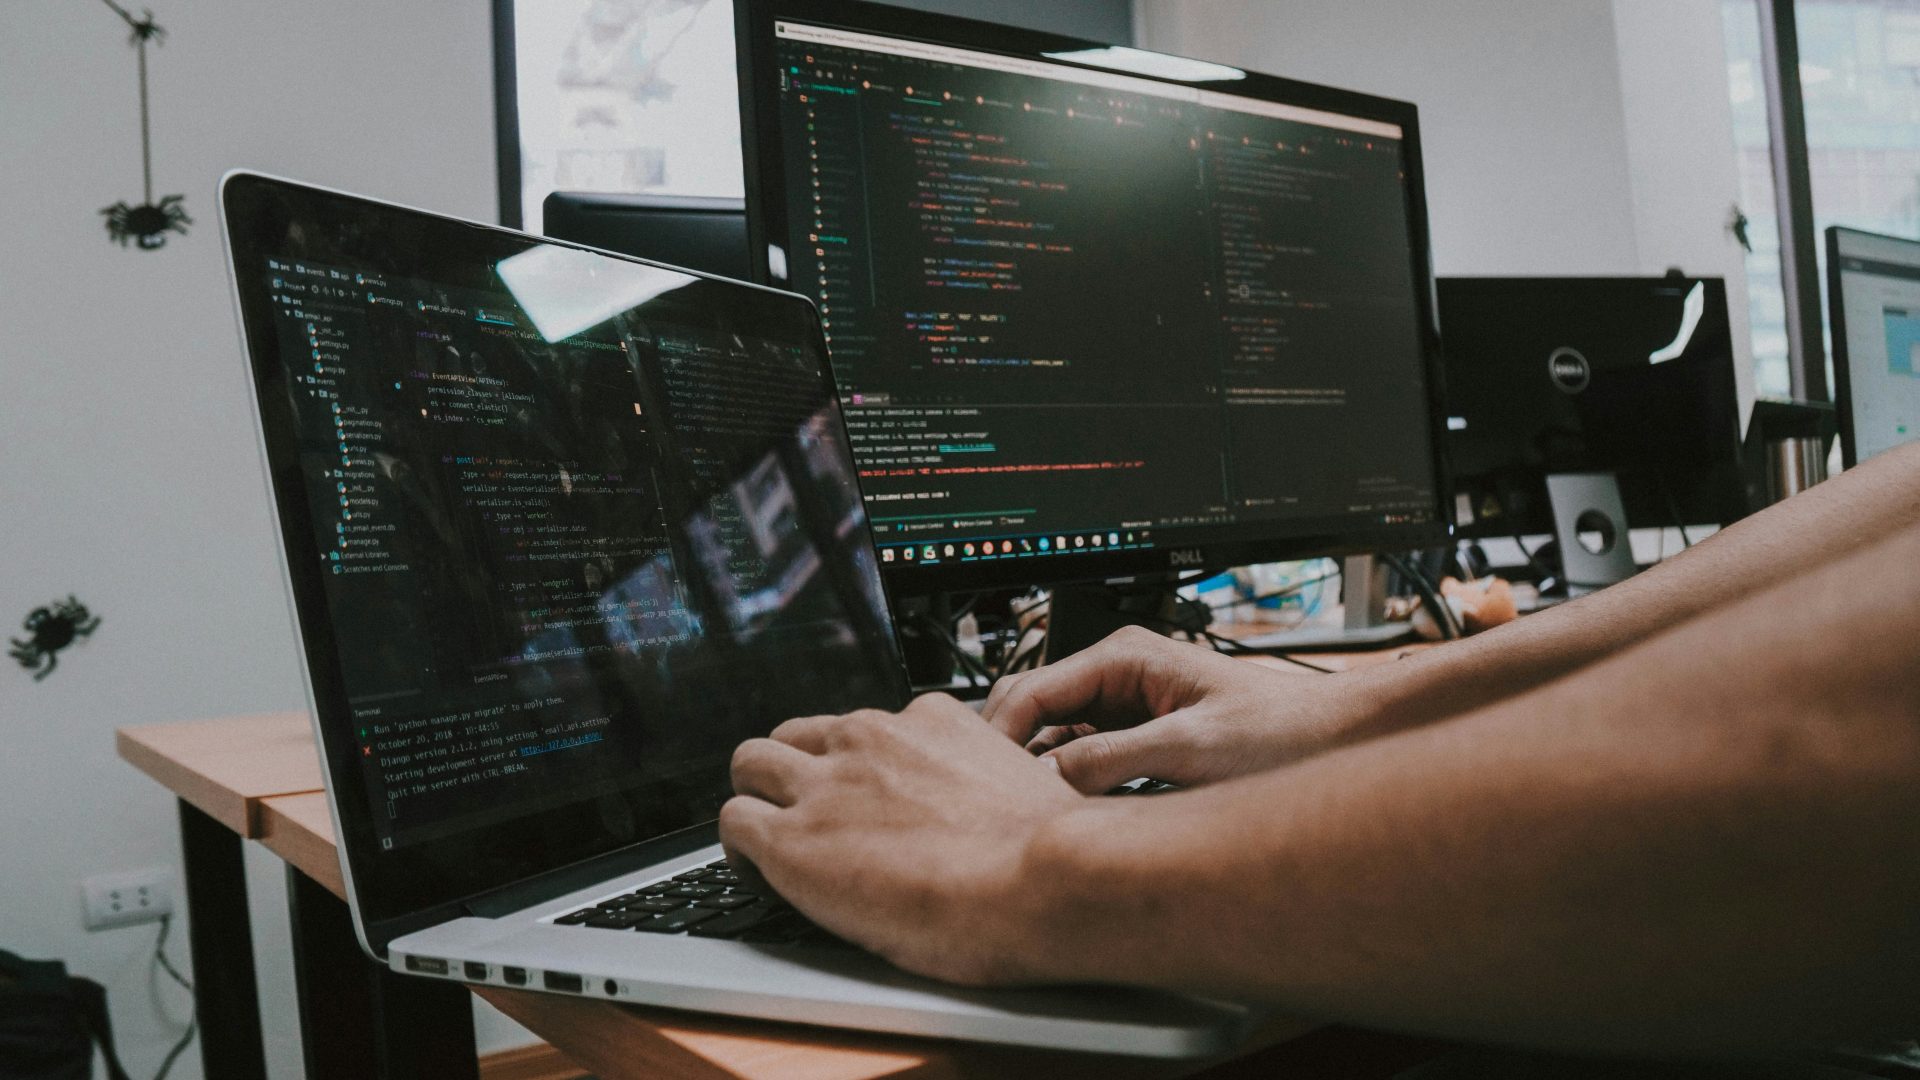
(560, 529)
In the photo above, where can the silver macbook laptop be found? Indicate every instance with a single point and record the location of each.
(561, 528)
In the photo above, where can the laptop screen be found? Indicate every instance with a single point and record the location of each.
(564, 529)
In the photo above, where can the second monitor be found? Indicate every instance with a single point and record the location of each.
(1094, 312)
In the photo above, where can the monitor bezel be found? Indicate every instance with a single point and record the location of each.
(754, 22)
(1837, 324)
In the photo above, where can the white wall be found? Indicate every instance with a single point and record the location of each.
(1685, 176)
(128, 473)
(1573, 137)
(1520, 111)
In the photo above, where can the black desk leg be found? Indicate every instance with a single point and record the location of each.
(226, 997)
(359, 1019)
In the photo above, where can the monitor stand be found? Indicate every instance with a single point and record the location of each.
(1590, 529)
(1079, 616)
(1365, 626)
(930, 662)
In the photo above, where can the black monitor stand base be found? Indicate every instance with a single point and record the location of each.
(1080, 616)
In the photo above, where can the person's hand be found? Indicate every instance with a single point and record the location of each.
(1139, 704)
(907, 834)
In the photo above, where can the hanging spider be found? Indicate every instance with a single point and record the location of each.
(144, 29)
(53, 627)
(147, 224)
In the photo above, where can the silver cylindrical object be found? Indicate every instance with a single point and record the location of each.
(1794, 465)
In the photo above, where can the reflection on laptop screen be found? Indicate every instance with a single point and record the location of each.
(581, 530)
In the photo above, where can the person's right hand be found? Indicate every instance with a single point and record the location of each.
(1138, 704)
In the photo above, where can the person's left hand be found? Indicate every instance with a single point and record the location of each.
(907, 834)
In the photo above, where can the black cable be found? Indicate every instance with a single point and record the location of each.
(1235, 648)
(1547, 579)
(977, 674)
(193, 1022)
(1679, 520)
(1277, 594)
(966, 609)
(1442, 614)
(1019, 659)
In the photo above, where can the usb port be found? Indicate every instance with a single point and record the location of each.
(475, 971)
(560, 980)
(514, 976)
(426, 965)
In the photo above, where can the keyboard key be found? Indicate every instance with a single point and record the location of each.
(655, 905)
(619, 921)
(727, 902)
(723, 877)
(733, 923)
(719, 864)
(575, 918)
(783, 926)
(692, 875)
(694, 891)
(675, 921)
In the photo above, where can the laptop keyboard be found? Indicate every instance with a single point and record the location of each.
(708, 901)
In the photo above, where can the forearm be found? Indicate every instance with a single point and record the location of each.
(1708, 839)
(1825, 523)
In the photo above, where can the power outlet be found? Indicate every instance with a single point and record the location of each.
(126, 898)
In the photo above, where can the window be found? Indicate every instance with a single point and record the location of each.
(1859, 78)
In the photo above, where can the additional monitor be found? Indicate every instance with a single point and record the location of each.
(1633, 376)
(708, 235)
(1873, 292)
(1086, 322)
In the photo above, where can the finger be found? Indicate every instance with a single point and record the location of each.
(1106, 759)
(1113, 680)
(997, 695)
(1047, 738)
(772, 771)
(807, 733)
(746, 827)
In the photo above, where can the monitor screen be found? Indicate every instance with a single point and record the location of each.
(708, 235)
(546, 512)
(1633, 376)
(1874, 293)
(1084, 322)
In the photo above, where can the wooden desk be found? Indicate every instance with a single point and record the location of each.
(258, 777)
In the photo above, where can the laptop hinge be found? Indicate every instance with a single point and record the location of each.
(525, 894)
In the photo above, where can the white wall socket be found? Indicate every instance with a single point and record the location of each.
(126, 898)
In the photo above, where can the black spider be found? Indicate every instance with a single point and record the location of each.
(148, 223)
(144, 29)
(53, 627)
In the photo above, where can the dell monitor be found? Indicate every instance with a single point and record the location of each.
(1571, 376)
(1095, 312)
(1873, 293)
(704, 234)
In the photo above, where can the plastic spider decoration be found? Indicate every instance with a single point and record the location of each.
(53, 628)
(142, 29)
(147, 224)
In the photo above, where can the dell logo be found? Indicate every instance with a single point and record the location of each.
(1569, 370)
(1185, 557)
